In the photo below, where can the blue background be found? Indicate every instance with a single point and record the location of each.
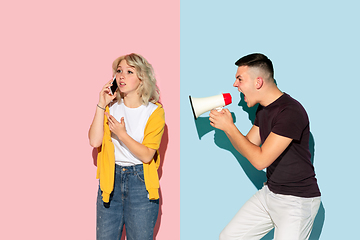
(314, 46)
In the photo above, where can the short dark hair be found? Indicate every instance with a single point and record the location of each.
(257, 60)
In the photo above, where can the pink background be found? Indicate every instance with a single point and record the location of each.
(55, 57)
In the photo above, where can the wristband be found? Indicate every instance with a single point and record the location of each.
(100, 107)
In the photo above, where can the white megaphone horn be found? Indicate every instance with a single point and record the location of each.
(202, 105)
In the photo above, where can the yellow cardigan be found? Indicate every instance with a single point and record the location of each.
(153, 132)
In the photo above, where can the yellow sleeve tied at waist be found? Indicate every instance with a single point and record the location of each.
(106, 162)
(153, 132)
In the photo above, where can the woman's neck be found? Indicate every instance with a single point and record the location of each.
(133, 101)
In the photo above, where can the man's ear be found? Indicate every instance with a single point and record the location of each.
(259, 83)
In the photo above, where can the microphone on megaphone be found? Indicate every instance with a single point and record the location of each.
(202, 105)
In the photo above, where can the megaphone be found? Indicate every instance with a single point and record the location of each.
(202, 105)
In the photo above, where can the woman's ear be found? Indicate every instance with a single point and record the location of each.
(259, 83)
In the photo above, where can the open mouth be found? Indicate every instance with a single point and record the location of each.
(243, 95)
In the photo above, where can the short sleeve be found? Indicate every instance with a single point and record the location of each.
(290, 122)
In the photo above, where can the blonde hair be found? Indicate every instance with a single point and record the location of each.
(148, 90)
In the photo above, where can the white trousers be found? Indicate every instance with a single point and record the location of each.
(292, 217)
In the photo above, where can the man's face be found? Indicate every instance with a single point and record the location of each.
(245, 83)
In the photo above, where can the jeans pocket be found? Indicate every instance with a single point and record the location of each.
(140, 176)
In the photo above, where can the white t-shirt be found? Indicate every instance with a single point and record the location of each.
(135, 122)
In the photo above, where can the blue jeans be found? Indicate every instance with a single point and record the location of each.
(129, 204)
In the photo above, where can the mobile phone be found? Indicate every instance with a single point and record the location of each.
(114, 86)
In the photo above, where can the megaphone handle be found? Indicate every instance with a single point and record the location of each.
(219, 109)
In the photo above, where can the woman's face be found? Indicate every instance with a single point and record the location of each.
(127, 78)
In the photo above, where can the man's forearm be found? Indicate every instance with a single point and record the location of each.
(246, 148)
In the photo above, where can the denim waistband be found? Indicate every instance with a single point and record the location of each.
(128, 169)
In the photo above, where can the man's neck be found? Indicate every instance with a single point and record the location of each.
(270, 96)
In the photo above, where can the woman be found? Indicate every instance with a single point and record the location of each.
(127, 130)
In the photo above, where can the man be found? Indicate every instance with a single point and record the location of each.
(278, 141)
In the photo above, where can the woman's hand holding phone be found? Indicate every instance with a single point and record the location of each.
(106, 96)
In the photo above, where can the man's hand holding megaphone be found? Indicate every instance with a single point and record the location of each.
(221, 119)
